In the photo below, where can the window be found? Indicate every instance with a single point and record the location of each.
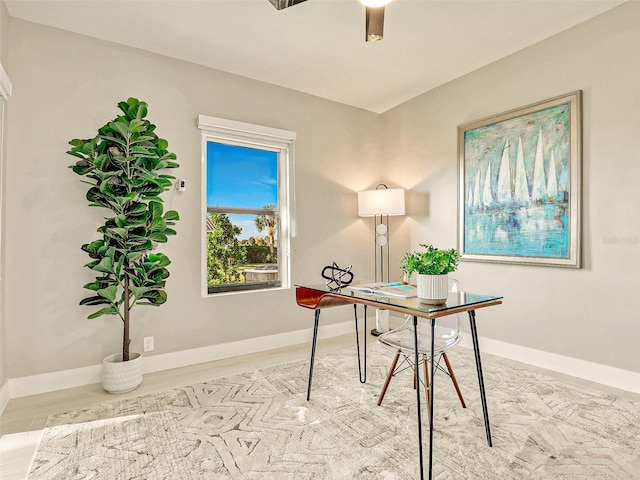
(246, 184)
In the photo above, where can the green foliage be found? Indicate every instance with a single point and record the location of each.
(260, 254)
(268, 223)
(432, 261)
(225, 255)
(122, 165)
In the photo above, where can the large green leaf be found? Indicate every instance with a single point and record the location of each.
(93, 246)
(138, 291)
(158, 224)
(117, 271)
(158, 237)
(104, 311)
(77, 154)
(105, 265)
(109, 293)
(120, 127)
(138, 150)
(171, 215)
(95, 286)
(97, 300)
(154, 297)
(113, 139)
(143, 139)
(155, 208)
(160, 258)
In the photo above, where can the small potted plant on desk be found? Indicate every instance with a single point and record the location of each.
(123, 165)
(432, 266)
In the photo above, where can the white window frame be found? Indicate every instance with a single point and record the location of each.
(232, 132)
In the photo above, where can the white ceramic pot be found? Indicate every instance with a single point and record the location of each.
(432, 289)
(119, 376)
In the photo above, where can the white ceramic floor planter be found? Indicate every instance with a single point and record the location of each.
(119, 376)
(433, 289)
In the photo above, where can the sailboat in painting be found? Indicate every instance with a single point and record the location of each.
(522, 187)
(487, 199)
(476, 191)
(504, 175)
(552, 181)
(539, 189)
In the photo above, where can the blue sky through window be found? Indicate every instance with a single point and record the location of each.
(241, 177)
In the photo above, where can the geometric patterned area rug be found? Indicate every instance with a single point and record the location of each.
(259, 426)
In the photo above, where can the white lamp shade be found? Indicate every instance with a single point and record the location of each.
(386, 201)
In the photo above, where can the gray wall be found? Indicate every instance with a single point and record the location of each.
(591, 313)
(4, 33)
(66, 86)
(4, 48)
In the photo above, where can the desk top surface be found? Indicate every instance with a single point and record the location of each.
(456, 302)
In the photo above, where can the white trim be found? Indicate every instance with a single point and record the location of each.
(48, 382)
(594, 372)
(231, 132)
(4, 396)
(5, 84)
(224, 127)
(5, 91)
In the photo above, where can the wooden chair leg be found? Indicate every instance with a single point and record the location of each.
(427, 389)
(453, 379)
(386, 383)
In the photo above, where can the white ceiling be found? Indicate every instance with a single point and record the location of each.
(318, 46)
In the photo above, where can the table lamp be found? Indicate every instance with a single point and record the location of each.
(380, 204)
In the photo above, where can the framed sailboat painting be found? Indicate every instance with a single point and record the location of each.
(520, 185)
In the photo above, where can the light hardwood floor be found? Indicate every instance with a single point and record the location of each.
(23, 419)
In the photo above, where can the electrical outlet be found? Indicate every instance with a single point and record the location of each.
(148, 344)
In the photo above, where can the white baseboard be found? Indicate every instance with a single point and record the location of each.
(594, 372)
(47, 382)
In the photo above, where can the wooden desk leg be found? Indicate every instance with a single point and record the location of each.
(417, 381)
(432, 391)
(483, 397)
(313, 350)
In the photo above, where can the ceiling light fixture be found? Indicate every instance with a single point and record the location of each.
(374, 24)
(374, 19)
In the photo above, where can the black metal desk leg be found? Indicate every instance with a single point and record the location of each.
(483, 397)
(313, 350)
(432, 392)
(417, 369)
(363, 378)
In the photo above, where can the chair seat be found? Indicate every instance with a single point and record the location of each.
(402, 339)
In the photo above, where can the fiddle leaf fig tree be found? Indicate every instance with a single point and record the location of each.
(123, 165)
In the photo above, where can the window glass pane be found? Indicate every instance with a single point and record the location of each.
(241, 177)
(242, 250)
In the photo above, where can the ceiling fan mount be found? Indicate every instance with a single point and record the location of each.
(374, 15)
